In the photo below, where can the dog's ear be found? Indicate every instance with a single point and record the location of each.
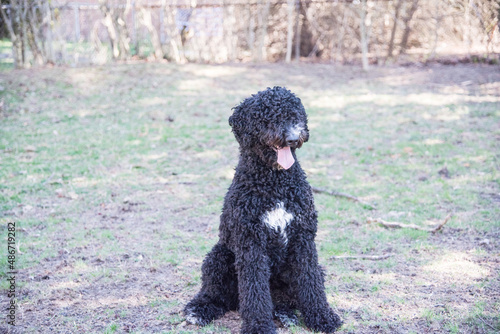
(232, 120)
(239, 124)
(235, 119)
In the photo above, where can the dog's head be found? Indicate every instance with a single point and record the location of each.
(271, 124)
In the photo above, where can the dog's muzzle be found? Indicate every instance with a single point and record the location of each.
(293, 140)
(294, 136)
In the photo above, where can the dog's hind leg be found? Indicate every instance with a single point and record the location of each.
(219, 291)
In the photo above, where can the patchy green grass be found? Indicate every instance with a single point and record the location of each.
(115, 178)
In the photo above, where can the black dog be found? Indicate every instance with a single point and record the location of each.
(265, 264)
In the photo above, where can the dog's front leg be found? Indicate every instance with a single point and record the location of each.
(252, 265)
(309, 285)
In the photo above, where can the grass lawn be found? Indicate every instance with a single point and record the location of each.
(115, 176)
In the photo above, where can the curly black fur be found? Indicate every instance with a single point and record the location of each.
(265, 264)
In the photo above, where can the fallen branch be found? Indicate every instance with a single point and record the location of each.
(361, 257)
(339, 194)
(412, 226)
(487, 324)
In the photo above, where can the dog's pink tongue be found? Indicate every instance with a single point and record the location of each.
(285, 157)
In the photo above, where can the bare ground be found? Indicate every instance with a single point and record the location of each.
(93, 266)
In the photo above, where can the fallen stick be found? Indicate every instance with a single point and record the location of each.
(412, 226)
(339, 194)
(487, 324)
(440, 226)
(361, 257)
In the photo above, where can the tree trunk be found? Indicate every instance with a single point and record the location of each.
(117, 30)
(14, 32)
(340, 38)
(394, 27)
(298, 29)
(47, 20)
(155, 40)
(364, 41)
(289, 35)
(23, 10)
(251, 31)
(263, 23)
(230, 38)
(124, 39)
(33, 38)
(406, 21)
(437, 25)
(108, 23)
(174, 39)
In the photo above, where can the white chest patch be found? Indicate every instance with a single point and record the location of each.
(278, 219)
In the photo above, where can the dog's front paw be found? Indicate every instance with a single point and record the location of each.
(202, 314)
(195, 317)
(325, 320)
(258, 328)
(287, 318)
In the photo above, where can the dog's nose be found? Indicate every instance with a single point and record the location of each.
(292, 140)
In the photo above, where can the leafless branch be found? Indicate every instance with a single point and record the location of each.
(487, 324)
(339, 194)
(411, 226)
(362, 257)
